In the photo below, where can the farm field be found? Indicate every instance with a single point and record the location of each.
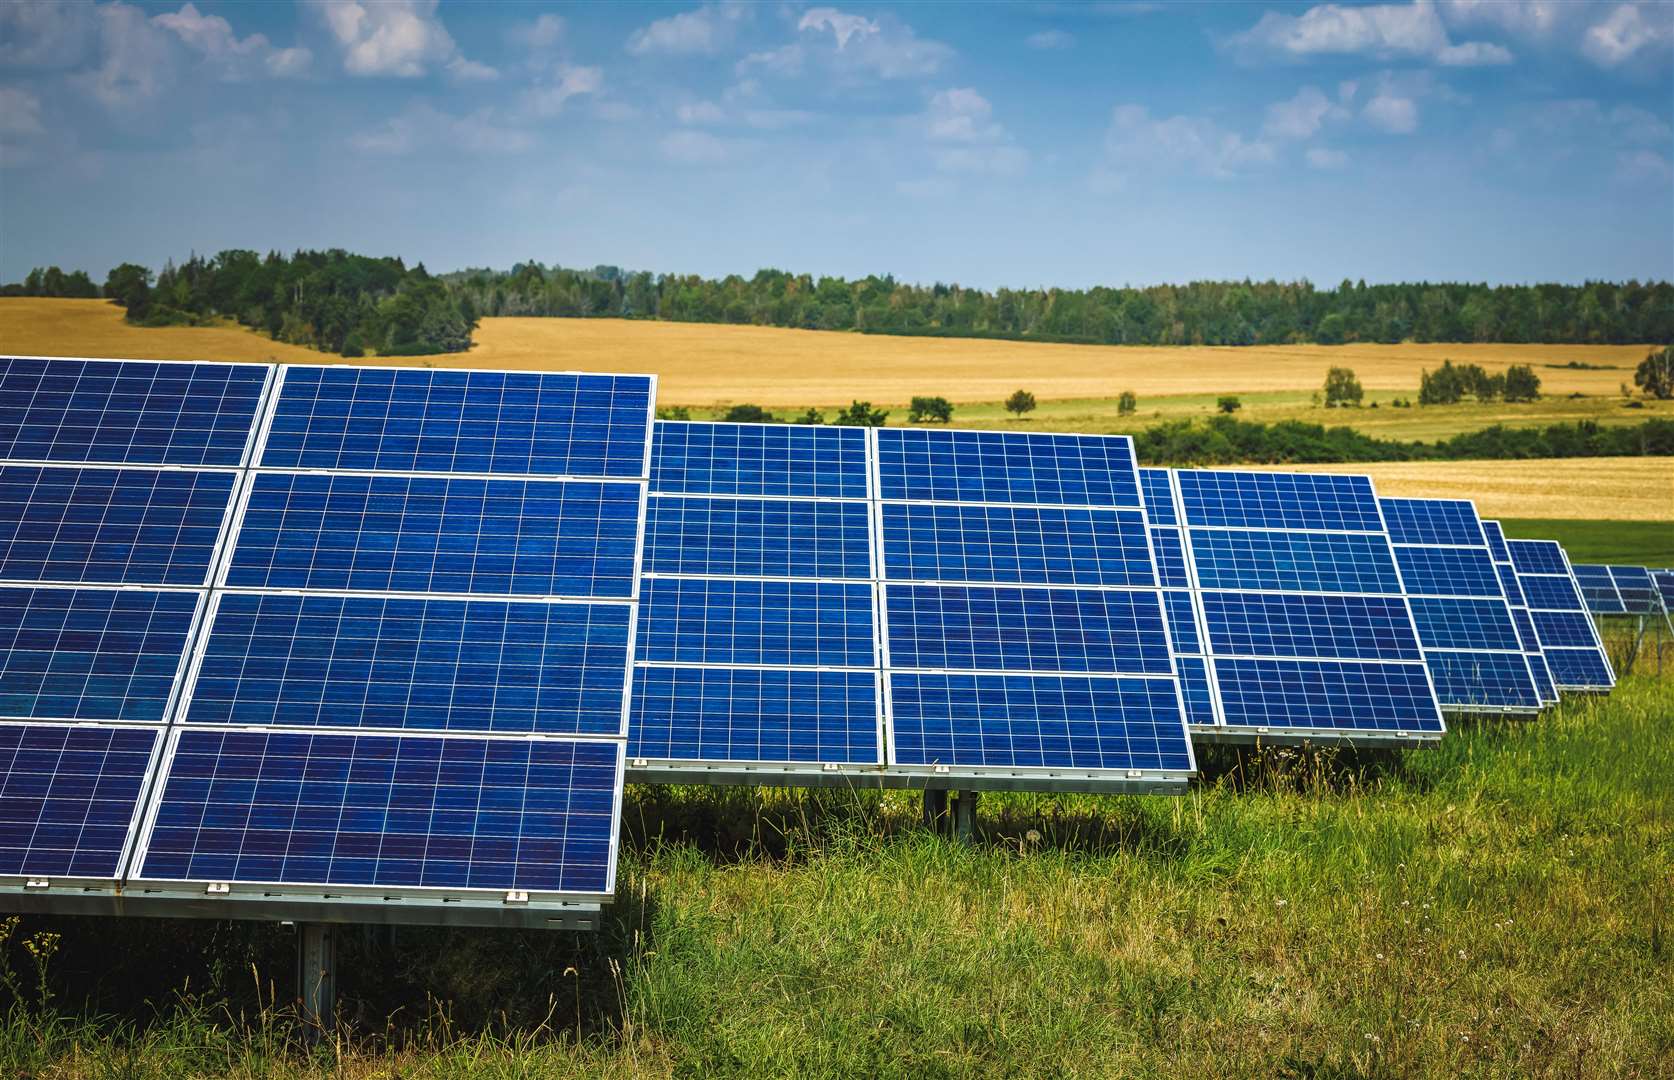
(707, 367)
(1497, 906)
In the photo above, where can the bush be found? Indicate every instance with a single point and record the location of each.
(812, 416)
(749, 414)
(1228, 404)
(674, 412)
(1655, 374)
(1342, 388)
(937, 409)
(1020, 402)
(1127, 403)
(860, 414)
(352, 346)
(1521, 383)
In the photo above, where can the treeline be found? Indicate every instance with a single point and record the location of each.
(1200, 313)
(1223, 440)
(51, 281)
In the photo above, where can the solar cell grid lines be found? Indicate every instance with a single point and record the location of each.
(780, 623)
(128, 412)
(1293, 561)
(1543, 571)
(1015, 544)
(69, 795)
(716, 714)
(758, 537)
(1006, 467)
(1638, 592)
(1432, 521)
(1598, 589)
(779, 460)
(1278, 501)
(459, 421)
(1276, 624)
(1447, 571)
(111, 525)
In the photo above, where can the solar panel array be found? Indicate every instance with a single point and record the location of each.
(1568, 639)
(369, 629)
(1635, 587)
(1459, 606)
(1598, 589)
(1520, 617)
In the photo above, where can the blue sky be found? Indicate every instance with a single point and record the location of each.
(1005, 144)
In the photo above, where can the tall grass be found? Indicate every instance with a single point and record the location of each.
(1498, 906)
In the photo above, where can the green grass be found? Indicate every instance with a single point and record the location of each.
(1495, 907)
(1635, 543)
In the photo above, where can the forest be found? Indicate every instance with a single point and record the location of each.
(350, 304)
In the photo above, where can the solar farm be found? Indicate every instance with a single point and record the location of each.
(375, 645)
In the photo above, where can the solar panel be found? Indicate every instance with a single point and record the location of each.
(1638, 592)
(919, 465)
(1543, 572)
(1598, 589)
(758, 622)
(1015, 544)
(1664, 580)
(1302, 612)
(458, 421)
(69, 796)
(128, 412)
(1186, 631)
(1459, 607)
(111, 526)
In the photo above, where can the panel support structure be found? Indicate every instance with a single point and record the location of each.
(316, 975)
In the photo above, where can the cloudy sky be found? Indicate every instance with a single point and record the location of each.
(1018, 144)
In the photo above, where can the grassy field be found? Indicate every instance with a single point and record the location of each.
(1635, 543)
(1497, 907)
(707, 367)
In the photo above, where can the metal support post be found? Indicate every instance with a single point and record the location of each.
(935, 809)
(316, 974)
(964, 816)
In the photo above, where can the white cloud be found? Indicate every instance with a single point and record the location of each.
(1389, 112)
(212, 37)
(135, 61)
(20, 112)
(398, 38)
(548, 99)
(843, 26)
(1303, 115)
(1138, 142)
(1643, 167)
(543, 33)
(1383, 31)
(1628, 30)
(693, 148)
(422, 127)
(1050, 39)
(1320, 157)
(702, 31)
(850, 48)
(45, 33)
(960, 125)
(1526, 18)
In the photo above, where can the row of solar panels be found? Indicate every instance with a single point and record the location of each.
(1625, 590)
(399, 634)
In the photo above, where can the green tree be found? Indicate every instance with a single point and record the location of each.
(937, 409)
(1127, 402)
(812, 416)
(748, 414)
(1228, 404)
(1020, 402)
(1655, 374)
(1342, 388)
(130, 286)
(1521, 383)
(1444, 386)
(860, 414)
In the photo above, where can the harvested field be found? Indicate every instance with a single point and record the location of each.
(93, 328)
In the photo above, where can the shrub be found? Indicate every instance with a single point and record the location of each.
(812, 416)
(674, 412)
(749, 414)
(860, 414)
(937, 409)
(1228, 404)
(1521, 383)
(352, 346)
(1127, 403)
(1020, 402)
(1342, 388)
(1655, 374)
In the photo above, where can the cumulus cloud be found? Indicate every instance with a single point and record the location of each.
(1628, 31)
(395, 38)
(543, 33)
(1304, 114)
(212, 37)
(1136, 141)
(135, 61)
(548, 98)
(851, 47)
(699, 32)
(1050, 39)
(45, 33)
(1390, 112)
(1381, 31)
(964, 136)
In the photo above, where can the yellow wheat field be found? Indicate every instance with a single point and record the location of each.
(35, 327)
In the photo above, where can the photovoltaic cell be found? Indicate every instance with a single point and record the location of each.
(1005, 467)
(1543, 573)
(752, 714)
(128, 412)
(1578, 667)
(758, 537)
(1443, 571)
(1159, 496)
(91, 654)
(1195, 691)
(1329, 695)
(1542, 676)
(803, 461)
(1293, 561)
(1326, 627)
(1022, 544)
(1563, 629)
(1598, 589)
(68, 796)
(1496, 542)
(110, 526)
(1170, 558)
(414, 664)
(1550, 593)
(1446, 522)
(1491, 680)
(1538, 557)
(777, 623)
(1664, 580)
(443, 535)
(1037, 722)
(1639, 595)
(1182, 622)
(1464, 624)
(1508, 584)
(386, 811)
(1263, 500)
(407, 420)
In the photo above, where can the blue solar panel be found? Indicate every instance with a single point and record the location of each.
(1009, 629)
(1436, 571)
(741, 714)
(1195, 692)
(1464, 624)
(1496, 541)
(1037, 722)
(1580, 668)
(1525, 630)
(1542, 677)
(453, 665)
(1262, 500)
(1024, 544)
(1159, 496)
(1297, 562)
(1486, 680)
(68, 796)
(759, 459)
(389, 811)
(1182, 622)
(1549, 593)
(758, 537)
(1171, 559)
(1333, 695)
(1005, 467)
(1598, 589)
(778, 623)
(1335, 627)
(420, 534)
(110, 526)
(1664, 580)
(1537, 557)
(1508, 584)
(1432, 521)
(91, 654)
(1639, 594)
(128, 412)
(1564, 629)
(406, 420)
